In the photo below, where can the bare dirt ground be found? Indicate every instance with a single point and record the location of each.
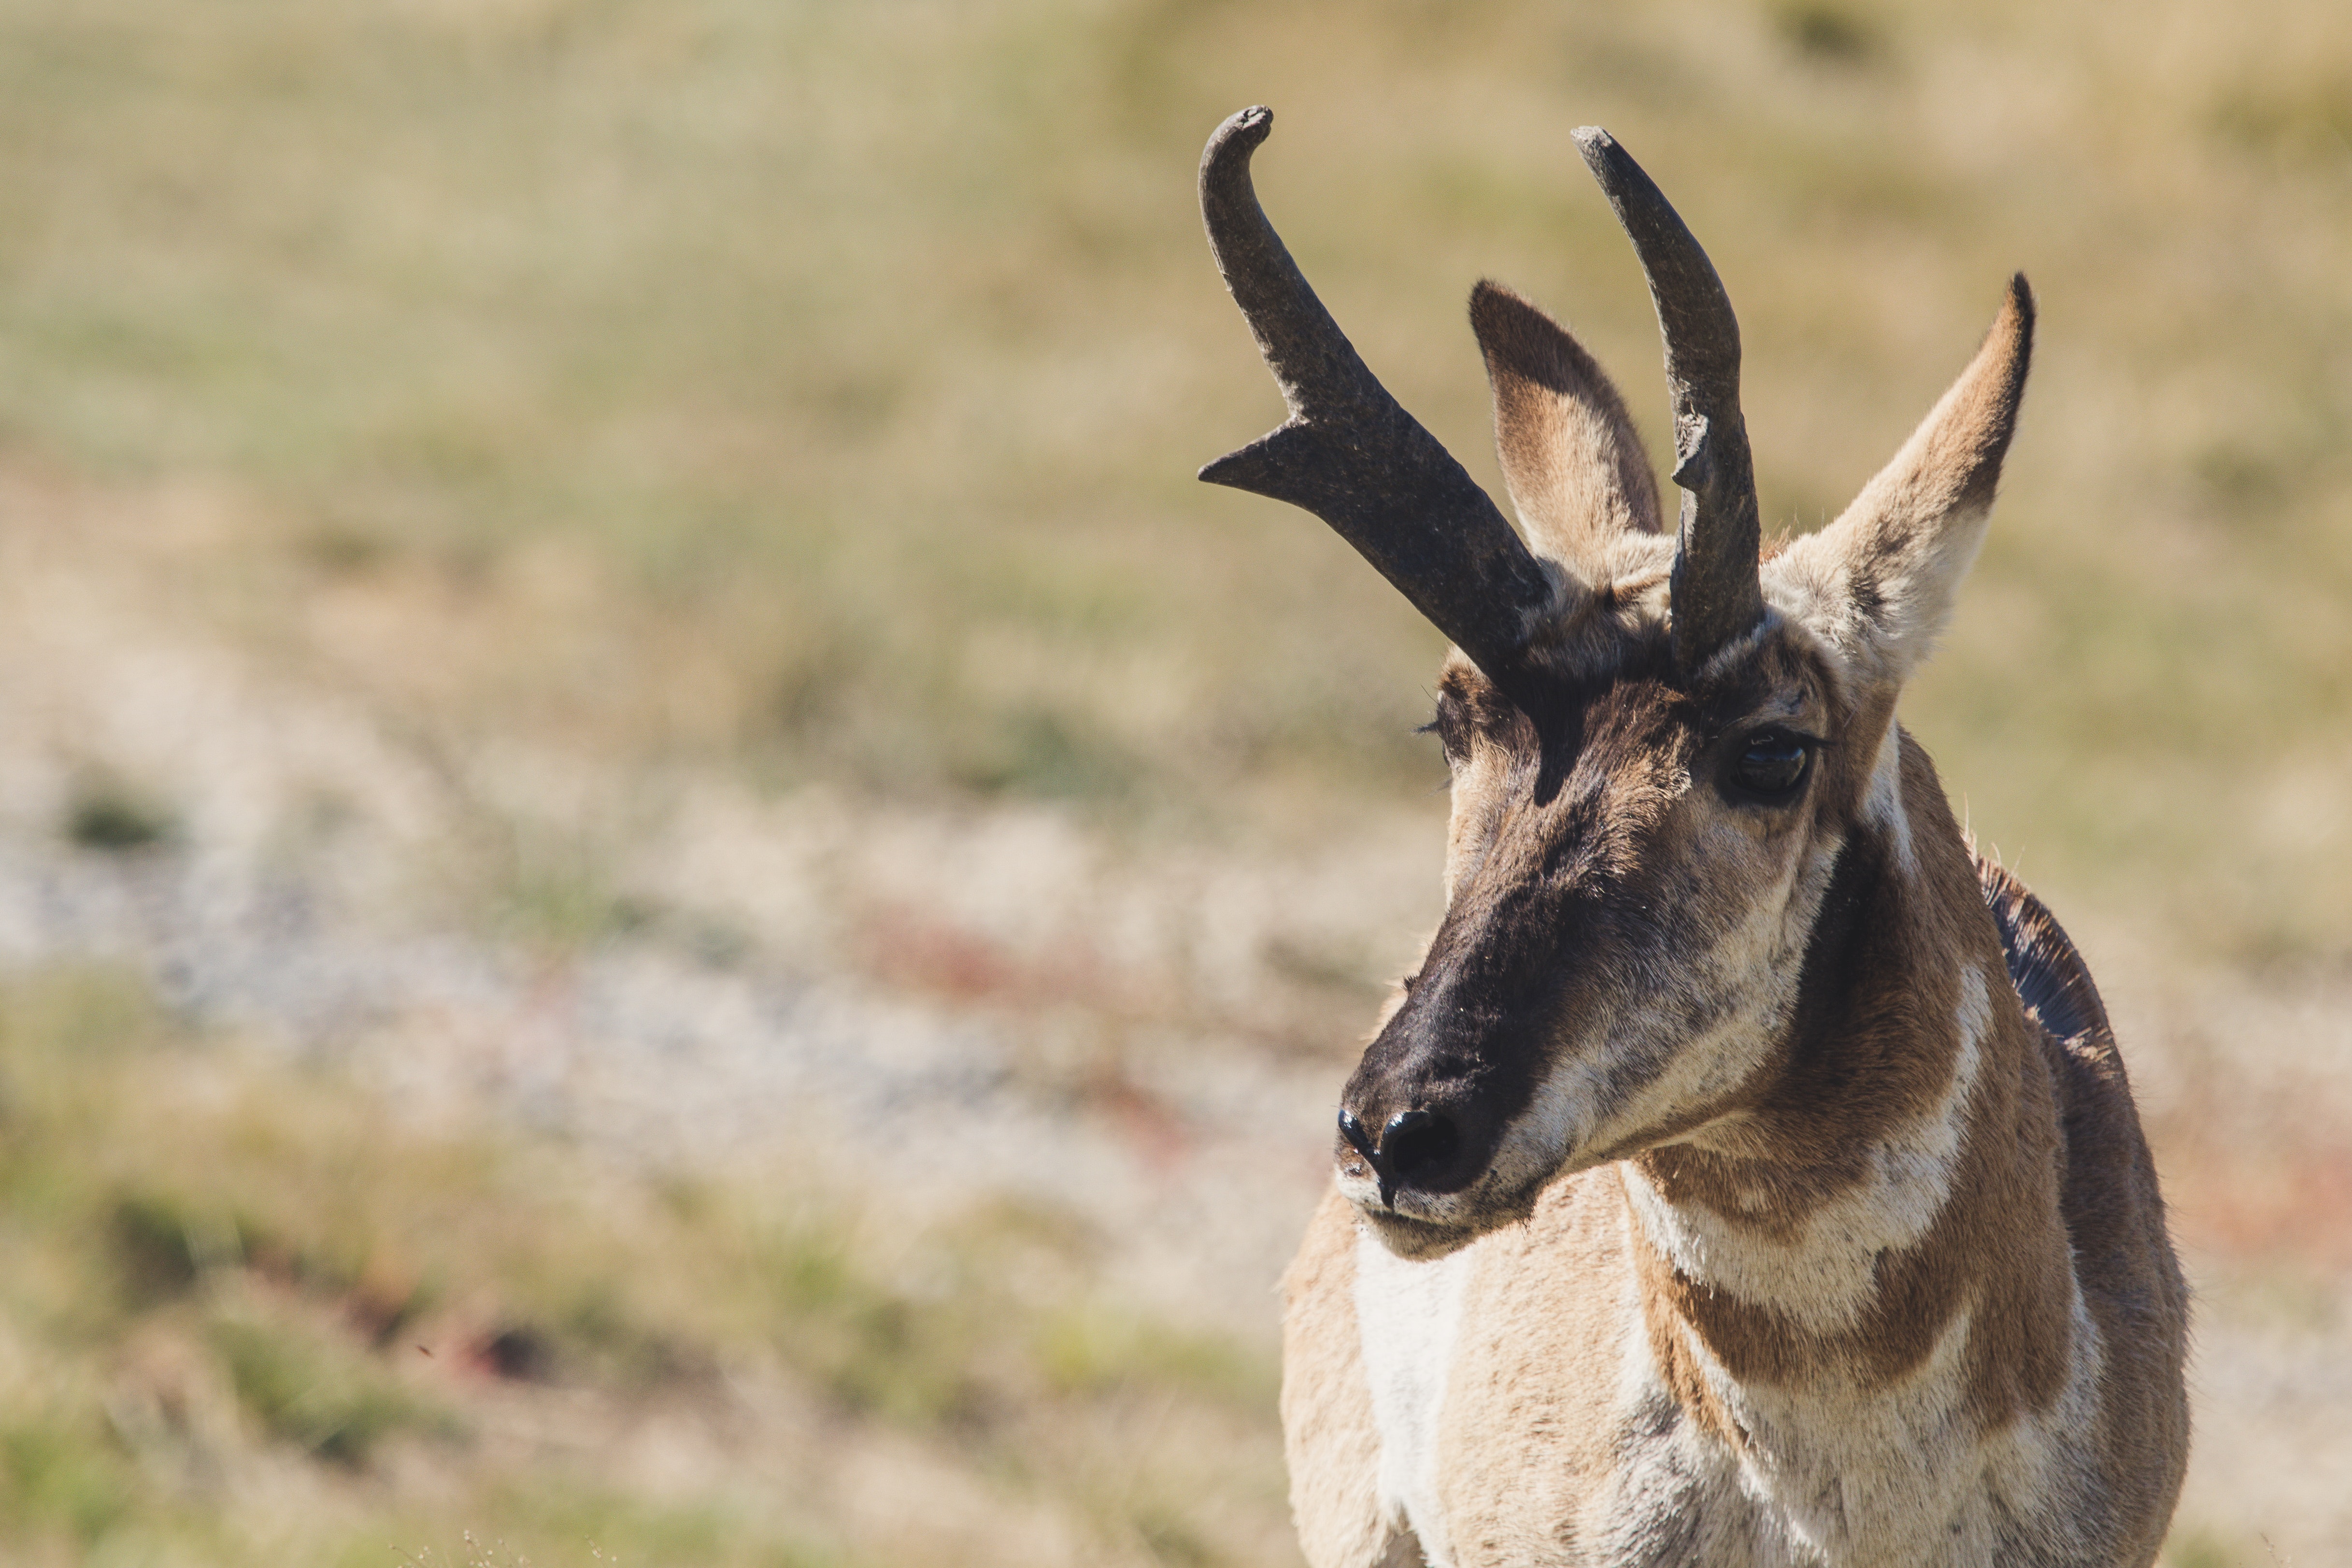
(931, 1006)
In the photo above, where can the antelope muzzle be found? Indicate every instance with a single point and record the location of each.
(1428, 1107)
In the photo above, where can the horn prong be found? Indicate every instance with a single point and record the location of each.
(1349, 453)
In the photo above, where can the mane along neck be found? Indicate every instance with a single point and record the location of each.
(1881, 1207)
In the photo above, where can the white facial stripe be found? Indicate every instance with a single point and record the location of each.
(1883, 806)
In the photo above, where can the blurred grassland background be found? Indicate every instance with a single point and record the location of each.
(816, 388)
(806, 397)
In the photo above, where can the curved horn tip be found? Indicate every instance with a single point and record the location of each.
(1242, 130)
(1601, 150)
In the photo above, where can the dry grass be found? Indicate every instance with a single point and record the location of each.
(251, 1314)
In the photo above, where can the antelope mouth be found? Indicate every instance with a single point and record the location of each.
(1420, 1238)
(1417, 1217)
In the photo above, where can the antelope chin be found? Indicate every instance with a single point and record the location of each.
(1423, 1238)
(1417, 1240)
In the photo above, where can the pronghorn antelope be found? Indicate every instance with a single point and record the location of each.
(1748, 1174)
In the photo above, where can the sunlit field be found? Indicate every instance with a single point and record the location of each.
(668, 894)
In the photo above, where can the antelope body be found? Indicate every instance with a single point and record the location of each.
(1748, 1174)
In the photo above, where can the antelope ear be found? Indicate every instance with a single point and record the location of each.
(1879, 581)
(1571, 458)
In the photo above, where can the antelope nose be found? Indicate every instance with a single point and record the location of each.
(1414, 1148)
(1418, 1142)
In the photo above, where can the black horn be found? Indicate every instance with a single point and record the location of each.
(1716, 596)
(1349, 452)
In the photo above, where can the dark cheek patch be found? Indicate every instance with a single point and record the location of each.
(1559, 737)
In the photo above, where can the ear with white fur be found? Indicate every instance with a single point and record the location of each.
(1879, 581)
(1573, 463)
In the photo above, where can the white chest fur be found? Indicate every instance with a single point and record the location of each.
(1409, 1316)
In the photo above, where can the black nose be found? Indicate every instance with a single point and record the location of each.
(1353, 1130)
(1414, 1149)
(1418, 1143)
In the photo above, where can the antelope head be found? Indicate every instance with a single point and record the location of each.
(1661, 747)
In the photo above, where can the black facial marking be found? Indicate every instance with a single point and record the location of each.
(1834, 953)
(1559, 732)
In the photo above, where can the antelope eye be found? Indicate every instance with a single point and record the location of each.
(1772, 764)
(1453, 733)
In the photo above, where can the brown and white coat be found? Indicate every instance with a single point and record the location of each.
(1747, 1174)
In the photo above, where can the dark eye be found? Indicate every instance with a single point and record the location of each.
(1772, 764)
(1451, 728)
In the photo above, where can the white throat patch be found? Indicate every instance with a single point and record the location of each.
(1408, 1316)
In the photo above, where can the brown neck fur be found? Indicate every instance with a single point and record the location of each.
(1874, 1046)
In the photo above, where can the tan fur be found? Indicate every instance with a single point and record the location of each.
(1326, 1412)
(1997, 1246)
(2114, 1214)
(1575, 469)
(1812, 1221)
(1912, 533)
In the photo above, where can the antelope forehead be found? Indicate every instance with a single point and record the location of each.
(1614, 712)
